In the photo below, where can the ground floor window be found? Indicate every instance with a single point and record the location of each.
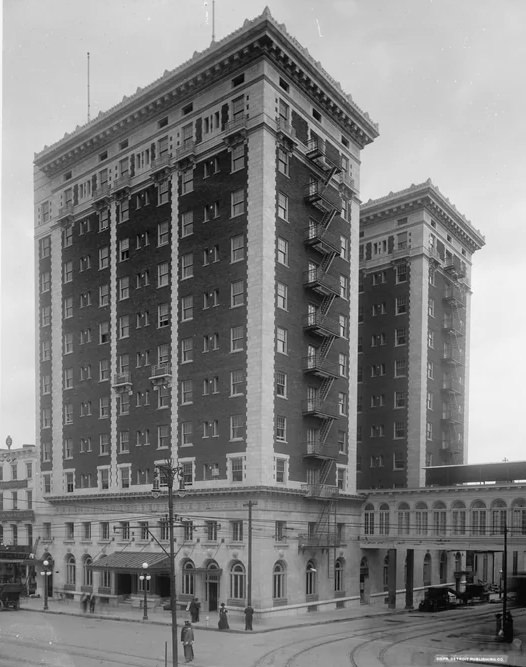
(188, 578)
(278, 581)
(310, 579)
(338, 575)
(71, 570)
(237, 581)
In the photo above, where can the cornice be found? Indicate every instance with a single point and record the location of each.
(262, 36)
(423, 195)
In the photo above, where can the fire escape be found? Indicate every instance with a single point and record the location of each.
(453, 360)
(320, 452)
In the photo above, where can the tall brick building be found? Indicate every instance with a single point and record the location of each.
(196, 253)
(415, 264)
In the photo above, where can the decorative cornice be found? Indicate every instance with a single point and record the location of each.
(260, 36)
(425, 195)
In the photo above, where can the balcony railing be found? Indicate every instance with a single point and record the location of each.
(320, 238)
(186, 150)
(102, 192)
(453, 385)
(453, 355)
(321, 282)
(323, 197)
(161, 371)
(121, 379)
(319, 540)
(319, 450)
(317, 490)
(121, 183)
(453, 415)
(454, 297)
(285, 129)
(161, 163)
(319, 408)
(238, 124)
(65, 212)
(322, 325)
(315, 364)
(317, 152)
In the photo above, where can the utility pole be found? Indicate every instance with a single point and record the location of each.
(504, 574)
(250, 505)
(169, 473)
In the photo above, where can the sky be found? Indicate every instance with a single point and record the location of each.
(444, 79)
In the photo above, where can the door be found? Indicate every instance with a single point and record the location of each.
(212, 594)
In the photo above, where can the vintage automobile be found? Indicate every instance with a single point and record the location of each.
(436, 598)
(10, 595)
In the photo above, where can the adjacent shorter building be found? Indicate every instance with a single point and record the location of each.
(18, 537)
(416, 253)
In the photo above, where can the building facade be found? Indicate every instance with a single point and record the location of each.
(195, 250)
(18, 532)
(416, 253)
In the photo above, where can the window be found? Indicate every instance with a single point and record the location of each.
(237, 203)
(163, 192)
(237, 293)
(237, 382)
(124, 288)
(187, 265)
(45, 316)
(280, 470)
(429, 431)
(343, 407)
(310, 579)
(430, 400)
(211, 531)
(163, 436)
(343, 445)
(45, 281)
(186, 392)
(237, 338)
(85, 263)
(281, 384)
(44, 247)
(283, 162)
(211, 299)
(400, 367)
(237, 581)
(401, 273)
(187, 308)
(163, 233)
(237, 248)
(211, 429)
(68, 307)
(400, 305)
(283, 251)
(281, 340)
(68, 413)
(281, 428)
(344, 248)
(343, 364)
(341, 478)
(400, 399)
(431, 339)
(211, 211)
(125, 478)
(67, 236)
(187, 181)
(283, 206)
(124, 250)
(238, 157)
(104, 217)
(104, 295)
(344, 287)
(71, 570)
(343, 322)
(187, 223)
(104, 444)
(163, 315)
(187, 350)
(124, 326)
(282, 295)
(104, 370)
(104, 407)
(236, 427)
(400, 336)
(430, 370)
(210, 255)
(104, 257)
(431, 308)
(399, 429)
(237, 531)
(70, 482)
(378, 339)
(377, 431)
(378, 309)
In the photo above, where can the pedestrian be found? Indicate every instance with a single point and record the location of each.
(194, 608)
(249, 613)
(187, 638)
(84, 602)
(223, 618)
(92, 601)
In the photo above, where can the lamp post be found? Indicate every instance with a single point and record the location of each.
(169, 473)
(145, 578)
(46, 572)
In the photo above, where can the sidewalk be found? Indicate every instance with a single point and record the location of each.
(159, 616)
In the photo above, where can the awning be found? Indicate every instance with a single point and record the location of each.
(132, 560)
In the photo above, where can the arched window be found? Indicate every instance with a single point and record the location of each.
(311, 581)
(368, 527)
(383, 519)
(71, 570)
(443, 567)
(279, 591)
(338, 575)
(519, 516)
(427, 570)
(421, 519)
(403, 519)
(458, 518)
(188, 577)
(478, 518)
(498, 517)
(237, 581)
(439, 518)
(386, 572)
(87, 572)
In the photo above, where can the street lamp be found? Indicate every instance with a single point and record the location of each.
(169, 473)
(145, 578)
(46, 573)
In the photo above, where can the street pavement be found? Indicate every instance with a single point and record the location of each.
(482, 645)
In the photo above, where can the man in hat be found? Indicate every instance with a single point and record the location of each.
(187, 638)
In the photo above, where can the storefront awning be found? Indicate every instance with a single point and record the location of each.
(132, 560)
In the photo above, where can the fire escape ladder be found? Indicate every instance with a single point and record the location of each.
(327, 261)
(328, 217)
(325, 471)
(324, 348)
(327, 303)
(325, 387)
(324, 431)
(328, 176)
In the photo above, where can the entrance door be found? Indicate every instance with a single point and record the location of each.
(124, 583)
(212, 594)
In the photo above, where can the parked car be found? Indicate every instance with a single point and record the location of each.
(436, 598)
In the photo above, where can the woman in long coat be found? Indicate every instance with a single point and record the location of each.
(223, 618)
(187, 637)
